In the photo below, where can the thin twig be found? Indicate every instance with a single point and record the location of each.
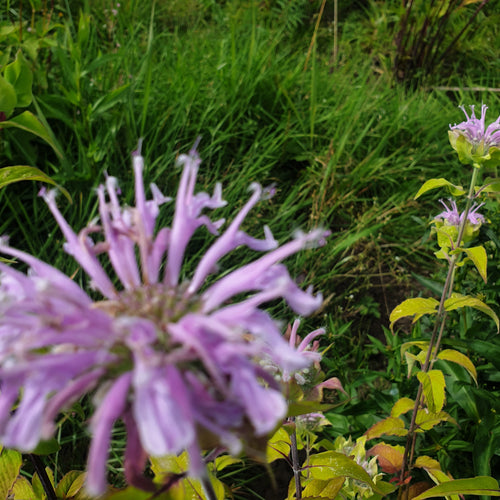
(294, 452)
(42, 475)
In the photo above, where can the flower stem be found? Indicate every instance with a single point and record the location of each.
(42, 475)
(294, 452)
(437, 332)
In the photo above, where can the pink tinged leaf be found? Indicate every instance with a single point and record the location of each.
(109, 410)
(162, 410)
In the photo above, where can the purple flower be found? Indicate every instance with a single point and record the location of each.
(474, 129)
(452, 217)
(474, 142)
(175, 358)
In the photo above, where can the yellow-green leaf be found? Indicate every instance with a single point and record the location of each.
(330, 464)
(479, 258)
(457, 301)
(323, 488)
(18, 173)
(10, 465)
(22, 489)
(390, 426)
(278, 446)
(433, 385)
(8, 98)
(437, 183)
(19, 75)
(30, 123)
(402, 406)
(460, 359)
(482, 485)
(416, 307)
(426, 420)
(425, 462)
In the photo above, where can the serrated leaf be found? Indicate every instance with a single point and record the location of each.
(433, 385)
(482, 485)
(390, 458)
(19, 75)
(18, 173)
(330, 464)
(437, 183)
(30, 123)
(416, 307)
(460, 359)
(390, 426)
(402, 406)
(479, 258)
(10, 465)
(426, 420)
(457, 301)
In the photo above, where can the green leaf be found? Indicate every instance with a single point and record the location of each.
(223, 461)
(478, 256)
(30, 123)
(437, 183)
(390, 426)
(323, 488)
(297, 408)
(8, 98)
(278, 446)
(18, 173)
(19, 75)
(70, 484)
(129, 493)
(22, 489)
(426, 420)
(459, 358)
(10, 465)
(482, 485)
(331, 464)
(457, 301)
(47, 447)
(402, 406)
(433, 385)
(413, 307)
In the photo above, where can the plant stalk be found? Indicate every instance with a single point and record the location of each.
(437, 332)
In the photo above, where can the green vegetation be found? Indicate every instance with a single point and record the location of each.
(284, 92)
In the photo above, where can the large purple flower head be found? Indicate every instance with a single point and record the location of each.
(474, 142)
(177, 359)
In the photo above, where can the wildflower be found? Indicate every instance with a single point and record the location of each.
(174, 358)
(474, 142)
(448, 222)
